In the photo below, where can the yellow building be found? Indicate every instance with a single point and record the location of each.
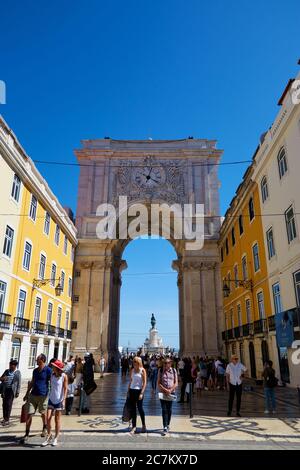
(249, 322)
(37, 242)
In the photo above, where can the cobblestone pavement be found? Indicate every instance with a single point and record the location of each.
(102, 428)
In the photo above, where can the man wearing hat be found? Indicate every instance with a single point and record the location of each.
(234, 374)
(11, 384)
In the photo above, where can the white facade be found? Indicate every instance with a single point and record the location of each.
(277, 172)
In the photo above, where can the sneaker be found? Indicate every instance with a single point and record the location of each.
(44, 433)
(266, 412)
(47, 441)
(24, 439)
(5, 423)
(165, 431)
(168, 428)
(54, 443)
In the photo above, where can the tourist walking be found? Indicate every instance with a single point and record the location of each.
(102, 367)
(70, 394)
(136, 389)
(88, 380)
(10, 384)
(78, 371)
(270, 382)
(167, 382)
(234, 374)
(56, 401)
(37, 395)
(186, 378)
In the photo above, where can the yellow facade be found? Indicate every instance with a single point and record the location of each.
(35, 317)
(247, 302)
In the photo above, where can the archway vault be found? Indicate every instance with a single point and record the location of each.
(99, 263)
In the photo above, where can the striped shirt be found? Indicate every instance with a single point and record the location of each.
(9, 377)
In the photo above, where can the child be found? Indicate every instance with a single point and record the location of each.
(70, 394)
(57, 397)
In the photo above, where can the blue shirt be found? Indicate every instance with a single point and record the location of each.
(41, 381)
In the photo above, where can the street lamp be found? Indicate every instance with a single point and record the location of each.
(247, 284)
(42, 282)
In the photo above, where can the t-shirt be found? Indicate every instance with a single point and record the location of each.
(235, 372)
(41, 381)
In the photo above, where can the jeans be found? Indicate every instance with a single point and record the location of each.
(86, 400)
(135, 402)
(270, 398)
(166, 408)
(69, 403)
(8, 399)
(235, 389)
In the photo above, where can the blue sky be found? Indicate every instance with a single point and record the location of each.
(137, 69)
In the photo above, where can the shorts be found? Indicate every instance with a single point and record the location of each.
(39, 402)
(56, 407)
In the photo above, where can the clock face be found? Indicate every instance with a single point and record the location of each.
(149, 177)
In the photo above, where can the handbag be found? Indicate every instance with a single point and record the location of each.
(24, 413)
(127, 411)
(90, 387)
(163, 396)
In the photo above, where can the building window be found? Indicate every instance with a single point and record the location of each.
(33, 207)
(66, 245)
(222, 255)
(27, 256)
(239, 314)
(248, 310)
(46, 351)
(244, 268)
(236, 275)
(21, 304)
(58, 320)
(47, 223)
(37, 310)
(277, 298)
(2, 295)
(282, 165)
(241, 224)
(231, 319)
(8, 241)
(49, 314)
(229, 282)
(75, 298)
(264, 189)
(42, 267)
(270, 243)
(67, 320)
(297, 286)
(15, 349)
(16, 187)
(261, 305)
(290, 224)
(77, 273)
(74, 325)
(72, 253)
(32, 354)
(70, 287)
(57, 233)
(251, 208)
(232, 237)
(62, 280)
(256, 257)
(53, 275)
(226, 246)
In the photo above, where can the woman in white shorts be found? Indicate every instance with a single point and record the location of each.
(56, 402)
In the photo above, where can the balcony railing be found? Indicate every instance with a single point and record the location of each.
(238, 332)
(21, 324)
(227, 335)
(271, 323)
(60, 332)
(5, 321)
(50, 330)
(260, 326)
(38, 327)
(69, 334)
(248, 329)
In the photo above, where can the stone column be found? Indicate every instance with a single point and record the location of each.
(209, 308)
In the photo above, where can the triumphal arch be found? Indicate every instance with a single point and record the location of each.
(129, 174)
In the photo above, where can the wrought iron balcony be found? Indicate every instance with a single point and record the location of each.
(237, 332)
(227, 335)
(21, 324)
(248, 329)
(260, 326)
(68, 334)
(38, 327)
(60, 332)
(50, 330)
(271, 323)
(5, 321)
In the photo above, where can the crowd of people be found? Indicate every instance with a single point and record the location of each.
(54, 385)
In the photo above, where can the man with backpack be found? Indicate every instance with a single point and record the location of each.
(270, 382)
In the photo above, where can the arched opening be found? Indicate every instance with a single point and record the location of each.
(252, 360)
(264, 352)
(149, 285)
